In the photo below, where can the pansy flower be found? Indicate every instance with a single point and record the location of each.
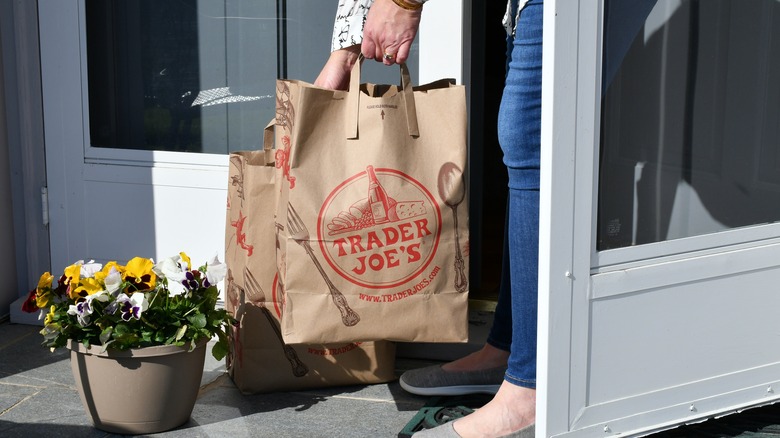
(215, 272)
(171, 268)
(84, 308)
(72, 277)
(139, 273)
(111, 277)
(191, 280)
(113, 281)
(87, 287)
(30, 305)
(43, 294)
(89, 269)
(132, 306)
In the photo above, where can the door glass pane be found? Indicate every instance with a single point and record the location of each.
(690, 139)
(196, 75)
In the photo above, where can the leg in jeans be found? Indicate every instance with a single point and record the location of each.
(514, 326)
(519, 125)
(514, 406)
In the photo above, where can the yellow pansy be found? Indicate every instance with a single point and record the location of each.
(73, 272)
(43, 291)
(89, 286)
(45, 280)
(138, 271)
(73, 275)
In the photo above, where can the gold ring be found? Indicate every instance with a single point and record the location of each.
(389, 56)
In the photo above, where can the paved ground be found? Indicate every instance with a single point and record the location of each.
(38, 398)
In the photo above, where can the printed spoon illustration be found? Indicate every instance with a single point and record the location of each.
(452, 190)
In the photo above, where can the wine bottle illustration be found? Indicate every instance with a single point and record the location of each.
(377, 198)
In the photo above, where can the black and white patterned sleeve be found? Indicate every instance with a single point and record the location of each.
(350, 19)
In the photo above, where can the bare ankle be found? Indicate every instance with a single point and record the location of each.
(485, 358)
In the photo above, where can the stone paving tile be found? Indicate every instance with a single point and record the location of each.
(13, 395)
(57, 410)
(304, 414)
(38, 398)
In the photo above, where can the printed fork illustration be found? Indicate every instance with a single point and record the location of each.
(300, 234)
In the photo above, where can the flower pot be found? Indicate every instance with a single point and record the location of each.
(138, 391)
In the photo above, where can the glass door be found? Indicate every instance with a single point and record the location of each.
(660, 251)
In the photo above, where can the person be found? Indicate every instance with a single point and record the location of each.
(383, 30)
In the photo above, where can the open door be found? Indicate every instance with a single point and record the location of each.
(660, 242)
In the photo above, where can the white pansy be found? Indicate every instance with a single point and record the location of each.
(101, 296)
(113, 280)
(89, 269)
(215, 270)
(139, 300)
(170, 269)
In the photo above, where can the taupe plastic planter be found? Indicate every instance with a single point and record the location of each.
(138, 391)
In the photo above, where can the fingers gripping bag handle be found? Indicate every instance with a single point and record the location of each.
(353, 101)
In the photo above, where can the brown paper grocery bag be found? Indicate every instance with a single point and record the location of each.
(259, 360)
(373, 211)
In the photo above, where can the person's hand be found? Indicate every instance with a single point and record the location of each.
(335, 73)
(389, 30)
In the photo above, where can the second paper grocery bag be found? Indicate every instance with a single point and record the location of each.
(259, 359)
(373, 211)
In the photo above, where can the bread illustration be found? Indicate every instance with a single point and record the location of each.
(359, 215)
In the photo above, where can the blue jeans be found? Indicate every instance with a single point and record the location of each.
(519, 125)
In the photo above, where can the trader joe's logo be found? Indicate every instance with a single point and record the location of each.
(379, 228)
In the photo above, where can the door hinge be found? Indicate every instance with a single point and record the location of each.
(45, 206)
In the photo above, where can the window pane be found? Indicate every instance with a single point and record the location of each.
(198, 75)
(690, 139)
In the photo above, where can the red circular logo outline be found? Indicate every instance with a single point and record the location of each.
(276, 299)
(338, 189)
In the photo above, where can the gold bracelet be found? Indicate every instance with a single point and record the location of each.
(409, 6)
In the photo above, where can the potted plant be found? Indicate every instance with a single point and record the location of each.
(137, 334)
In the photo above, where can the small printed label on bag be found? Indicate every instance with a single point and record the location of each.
(333, 351)
(380, 229)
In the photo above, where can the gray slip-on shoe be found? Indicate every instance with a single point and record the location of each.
(435, 381)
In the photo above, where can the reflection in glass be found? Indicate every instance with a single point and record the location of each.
(690, 139)
(197, 75)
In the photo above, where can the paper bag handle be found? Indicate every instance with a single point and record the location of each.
(353, 101)
(268, 142)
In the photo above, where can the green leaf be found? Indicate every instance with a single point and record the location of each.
(105, 335)
(181, 332)
(198, 320)
(121, 330)
(220, 350)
